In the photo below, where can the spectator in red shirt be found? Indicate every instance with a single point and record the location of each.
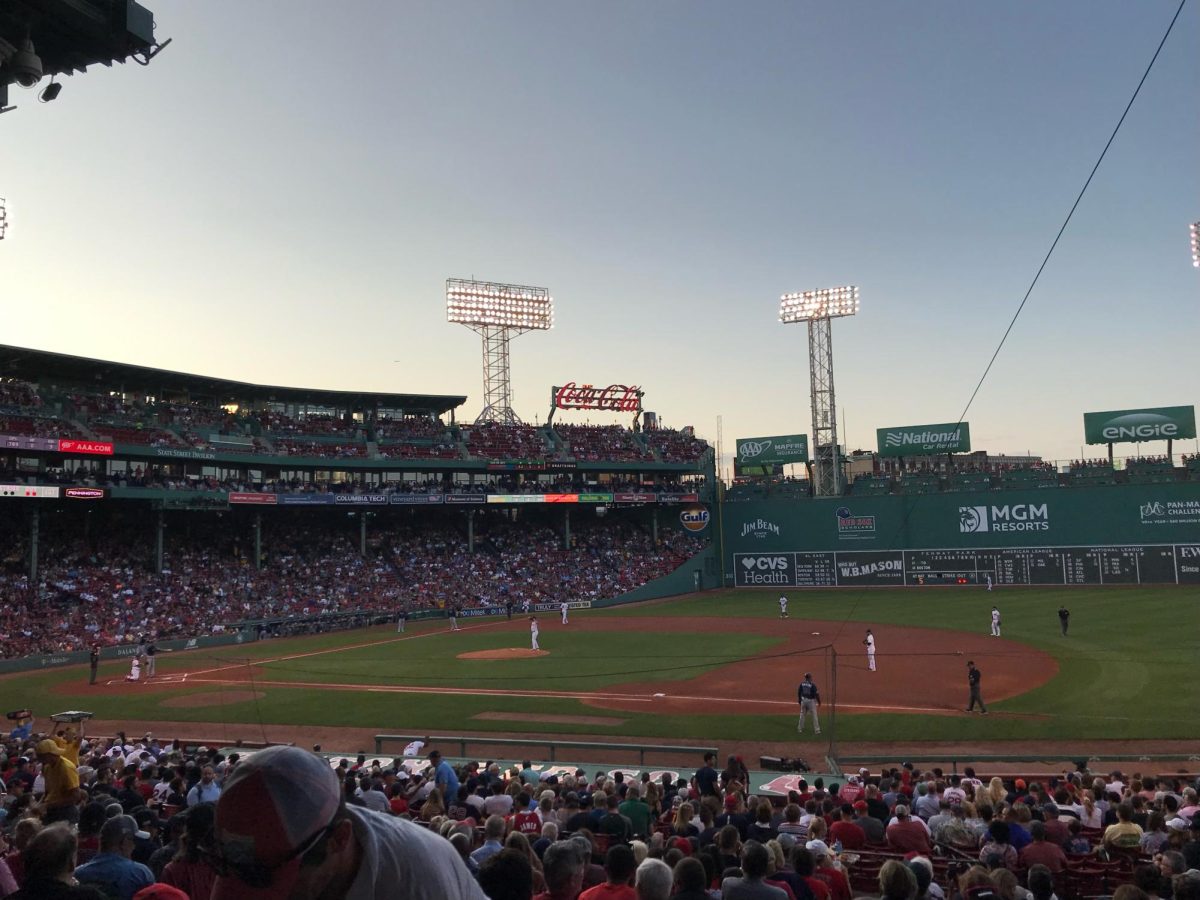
(850, 834)
(905, 835)
(619, 866)
(1041, 851)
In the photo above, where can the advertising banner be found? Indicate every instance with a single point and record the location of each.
(561, 498)
(516, 498)
(634, 498)
(615, 397)
(780, 450)
(96, 448)
(254, 499)
(360, 499)
(595, 498)
(305, 499)
(414, 499)
(466, 498)
(1161, 423)
(924, 440)
(678, 498)
(85, 493)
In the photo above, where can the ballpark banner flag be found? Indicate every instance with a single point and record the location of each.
(924, 440)
(780, 450)
(1162, 423)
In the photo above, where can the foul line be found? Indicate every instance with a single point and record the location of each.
(341, 649)
(559, 695)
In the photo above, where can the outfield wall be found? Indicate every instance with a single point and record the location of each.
(1119, 534)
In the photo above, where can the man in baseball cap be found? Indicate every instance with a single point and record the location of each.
(283, 830)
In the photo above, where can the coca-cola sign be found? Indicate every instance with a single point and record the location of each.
(615, 397)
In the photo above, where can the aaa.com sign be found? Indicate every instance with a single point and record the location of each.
(615, 397)
(1163, 423)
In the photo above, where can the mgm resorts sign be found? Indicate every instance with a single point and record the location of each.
(1163, 423)
(924, 440)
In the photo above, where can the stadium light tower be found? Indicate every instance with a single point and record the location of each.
(3, 219)
(498, 313)
(819, 309)
(1195, 242)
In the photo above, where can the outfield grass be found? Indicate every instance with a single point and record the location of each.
(1127, 670)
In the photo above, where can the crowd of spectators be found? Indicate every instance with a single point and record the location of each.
(417, 826)
(493, 440)
(18, 394)
(96, 583)
(675, 446)
(592, 443)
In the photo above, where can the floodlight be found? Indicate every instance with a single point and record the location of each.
(498, 313)
(818, 308)
(1196, 244)
(826, 303)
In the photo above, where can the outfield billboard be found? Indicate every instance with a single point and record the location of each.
(1160, 423)
(779, 450)
(924, 440)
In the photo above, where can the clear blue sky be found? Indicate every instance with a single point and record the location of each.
(281, 195)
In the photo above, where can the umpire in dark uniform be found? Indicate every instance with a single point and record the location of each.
(973, 677)
(1064, 619)
(809, 699)
(94, 661)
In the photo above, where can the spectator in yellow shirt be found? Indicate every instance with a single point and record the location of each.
(62, 783)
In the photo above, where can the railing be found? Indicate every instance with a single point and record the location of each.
(553, 745)
(973, 759)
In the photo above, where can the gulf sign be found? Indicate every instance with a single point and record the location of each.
(694, 517)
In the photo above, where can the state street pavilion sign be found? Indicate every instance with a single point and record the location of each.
(779, 450)
(924, 440)
(1161, 423)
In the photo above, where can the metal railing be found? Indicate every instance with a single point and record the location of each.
(554, 745)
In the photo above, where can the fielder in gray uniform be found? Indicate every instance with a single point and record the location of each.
(809, 699)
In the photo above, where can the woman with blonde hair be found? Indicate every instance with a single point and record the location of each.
(520, 843)
(433, 806)
(817, 829)
(653, 798)
(996, 794)
(683, 825)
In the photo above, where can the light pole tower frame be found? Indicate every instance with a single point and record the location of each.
(819, 309)
(498, 313)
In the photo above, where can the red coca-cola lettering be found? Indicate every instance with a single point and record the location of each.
(615, 397)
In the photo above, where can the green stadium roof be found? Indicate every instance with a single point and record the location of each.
(43, 366)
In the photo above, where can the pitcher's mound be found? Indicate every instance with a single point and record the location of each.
(504, 653)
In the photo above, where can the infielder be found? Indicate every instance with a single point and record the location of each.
(1064, 619)
(869, 640)
(533, 632)
(809, 699)
(783, 608)
(454, 618)
(563, 609)
(995, 622)
(401, 618)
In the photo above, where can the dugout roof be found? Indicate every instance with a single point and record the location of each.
(44, 367)
(70, 35)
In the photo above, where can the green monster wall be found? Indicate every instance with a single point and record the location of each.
(1101, 535)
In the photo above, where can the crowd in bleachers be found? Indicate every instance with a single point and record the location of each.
(675, 446)
(19, 394)
(527, 831)
(591, 443)
(98, 585)
(47, 428)
(492, 440)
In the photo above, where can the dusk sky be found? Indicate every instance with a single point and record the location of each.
(280, 196)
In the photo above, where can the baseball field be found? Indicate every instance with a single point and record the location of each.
(715, 667)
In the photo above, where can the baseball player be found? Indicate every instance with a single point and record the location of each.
(869, 640)
(973, 676)
(401, 619)
(1064, 619)
(783, 608)
(454, 617)
(151, 654)
(533, 632)
(988, 576)
(995, 622)
(563, 609)
(809, 699)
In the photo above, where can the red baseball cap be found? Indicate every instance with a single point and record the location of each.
(860, 805)
(274, 807)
